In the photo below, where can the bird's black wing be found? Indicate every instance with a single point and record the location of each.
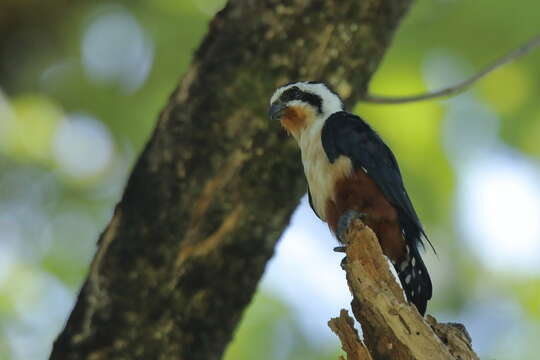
(348, 135)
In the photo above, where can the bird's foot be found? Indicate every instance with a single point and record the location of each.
(344, 222)
(342, 249)
(343, 263)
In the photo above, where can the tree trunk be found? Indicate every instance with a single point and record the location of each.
(217, 182)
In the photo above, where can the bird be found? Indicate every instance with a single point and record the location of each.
(350, 171)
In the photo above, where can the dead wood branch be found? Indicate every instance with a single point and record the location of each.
(392, 328)
(343, 327)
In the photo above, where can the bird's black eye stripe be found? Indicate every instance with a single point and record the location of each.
(314, 100)
(295, 93)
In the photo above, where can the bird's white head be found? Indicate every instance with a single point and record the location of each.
(298, 105)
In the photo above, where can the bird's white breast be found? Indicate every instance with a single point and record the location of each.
(321, 175)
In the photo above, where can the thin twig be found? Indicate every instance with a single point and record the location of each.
(459, 87)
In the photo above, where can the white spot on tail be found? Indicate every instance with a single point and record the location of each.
(408, 279)
(413, 261)
(403, 265)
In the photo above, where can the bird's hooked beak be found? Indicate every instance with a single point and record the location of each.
(275, 112)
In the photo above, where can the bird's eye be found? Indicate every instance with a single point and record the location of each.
(296, 94)
(293, 93)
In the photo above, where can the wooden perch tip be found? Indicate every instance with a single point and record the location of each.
(343, 327)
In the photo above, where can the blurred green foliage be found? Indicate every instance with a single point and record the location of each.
(52, 210)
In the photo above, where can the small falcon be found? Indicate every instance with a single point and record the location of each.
(349, 169)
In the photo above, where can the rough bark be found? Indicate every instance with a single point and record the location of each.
(392, 328)
(217, 182)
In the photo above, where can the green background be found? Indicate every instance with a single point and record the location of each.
(76, 107)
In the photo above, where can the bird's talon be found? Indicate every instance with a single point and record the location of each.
(343, 263)
(340, 249)
(344, 222)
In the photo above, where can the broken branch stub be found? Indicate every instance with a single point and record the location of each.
(343, 327)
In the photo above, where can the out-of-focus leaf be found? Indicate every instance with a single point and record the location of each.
(29, 129)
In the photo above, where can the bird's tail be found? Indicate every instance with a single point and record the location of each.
(415, 279)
